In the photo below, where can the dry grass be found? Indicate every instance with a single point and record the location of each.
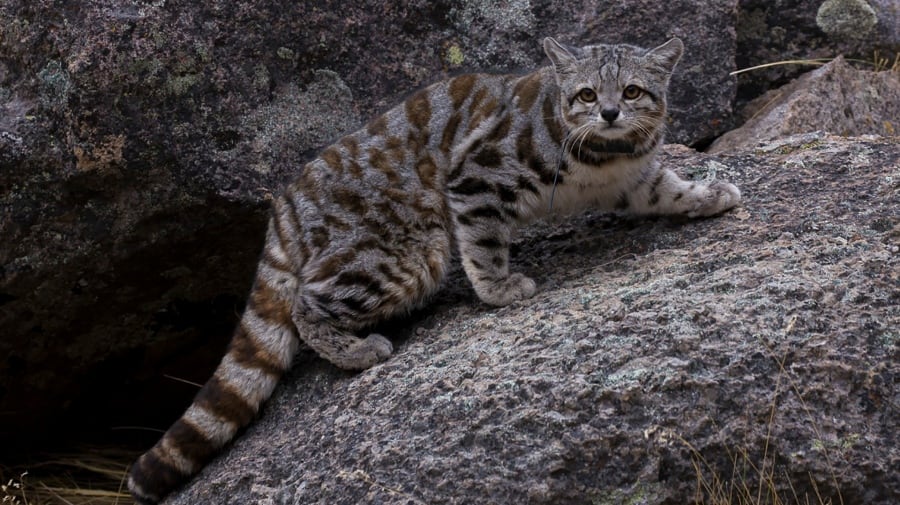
(97, 477)
(878, 63)
(89, 478)
(755, 482)
(884, 63)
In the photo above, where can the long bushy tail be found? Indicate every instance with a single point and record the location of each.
(261, 350)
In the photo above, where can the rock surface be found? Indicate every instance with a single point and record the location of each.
(769, 32)
(836, 98)
(140, 141)
(767, 336)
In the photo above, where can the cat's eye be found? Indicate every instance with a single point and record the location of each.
(587, 95)
(632, 92)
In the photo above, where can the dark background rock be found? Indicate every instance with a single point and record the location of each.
(768, 333)
(140, 142)
(770, 31)
(836, 98)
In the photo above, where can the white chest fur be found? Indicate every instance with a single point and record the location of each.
(586, 186)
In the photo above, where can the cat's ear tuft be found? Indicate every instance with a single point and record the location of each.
(560, 55)
(668, 54)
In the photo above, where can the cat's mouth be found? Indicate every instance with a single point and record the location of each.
(609, 125)
(609, 131)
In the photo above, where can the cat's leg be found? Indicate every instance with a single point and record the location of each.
(484, 237)
(661, 191)
(346, 292)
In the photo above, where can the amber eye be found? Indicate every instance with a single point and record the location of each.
(632, 92)
(587, 95)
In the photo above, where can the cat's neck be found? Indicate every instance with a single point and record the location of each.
(597, 151)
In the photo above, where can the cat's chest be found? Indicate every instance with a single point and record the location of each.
(587, 186)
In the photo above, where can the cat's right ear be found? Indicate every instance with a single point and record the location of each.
(562, 56)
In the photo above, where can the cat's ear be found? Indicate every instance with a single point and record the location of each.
(668, 54)
(562, 56)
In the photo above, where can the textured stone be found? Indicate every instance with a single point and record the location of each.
(836, 98)
(774, 31)
(140, 142)
(766, 336)
(850, 19)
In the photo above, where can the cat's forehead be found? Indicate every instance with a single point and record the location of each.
(606, 52)
(609, 62)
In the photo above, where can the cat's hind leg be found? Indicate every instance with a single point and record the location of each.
(343, 348)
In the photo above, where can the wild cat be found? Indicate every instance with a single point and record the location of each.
(367, 230)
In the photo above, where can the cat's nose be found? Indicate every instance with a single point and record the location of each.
(610, 114)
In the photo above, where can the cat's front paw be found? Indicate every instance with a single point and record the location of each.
(505, 291)
(721, 196)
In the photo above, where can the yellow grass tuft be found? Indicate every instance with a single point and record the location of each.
(712, 488)
(94, 477)
(878, 63)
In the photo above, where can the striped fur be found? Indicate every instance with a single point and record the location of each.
(365, 231)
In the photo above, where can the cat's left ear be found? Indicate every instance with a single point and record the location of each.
(562, 56)
(668, 54)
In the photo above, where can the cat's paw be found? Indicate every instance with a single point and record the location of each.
(367, 352)
(505, 291)
(721, 196)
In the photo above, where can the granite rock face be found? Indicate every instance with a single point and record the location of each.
(140, 142)
(836, 98)
(773, 31)
(767, 336)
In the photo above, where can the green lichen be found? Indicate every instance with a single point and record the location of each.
(849, 19)
(148, 69)
(641, 492)
(842, 444)
(55, 84)
(710, 170)
(503, 16)
(261, 77)
(285, 53)
(181, 84)
(203, 52)
(454, 56)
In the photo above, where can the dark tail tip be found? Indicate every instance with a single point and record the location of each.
(152, 478)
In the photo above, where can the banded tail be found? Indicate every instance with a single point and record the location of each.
(261, 350)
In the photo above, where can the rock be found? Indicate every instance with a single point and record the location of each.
(766, 336)
(770, 32)
(848, 19)
(140, 142)
(836, 98)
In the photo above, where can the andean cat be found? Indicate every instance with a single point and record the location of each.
(368, 228)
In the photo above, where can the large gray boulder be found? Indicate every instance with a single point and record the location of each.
(761, 344)
(836, 98)
(140, 142)
(769, 32)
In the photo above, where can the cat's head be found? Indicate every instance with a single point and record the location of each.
(613, 94)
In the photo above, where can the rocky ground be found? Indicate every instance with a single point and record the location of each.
(140, 142)
(764, 340)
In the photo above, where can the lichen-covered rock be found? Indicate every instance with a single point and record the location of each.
(763, 340)
(772, 32)
(140, 141)
(849, 19)
(836, 98)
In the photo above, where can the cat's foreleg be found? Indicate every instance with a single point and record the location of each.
(483, 241)
(663, 192)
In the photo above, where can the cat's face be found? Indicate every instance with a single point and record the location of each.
(613, 94)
